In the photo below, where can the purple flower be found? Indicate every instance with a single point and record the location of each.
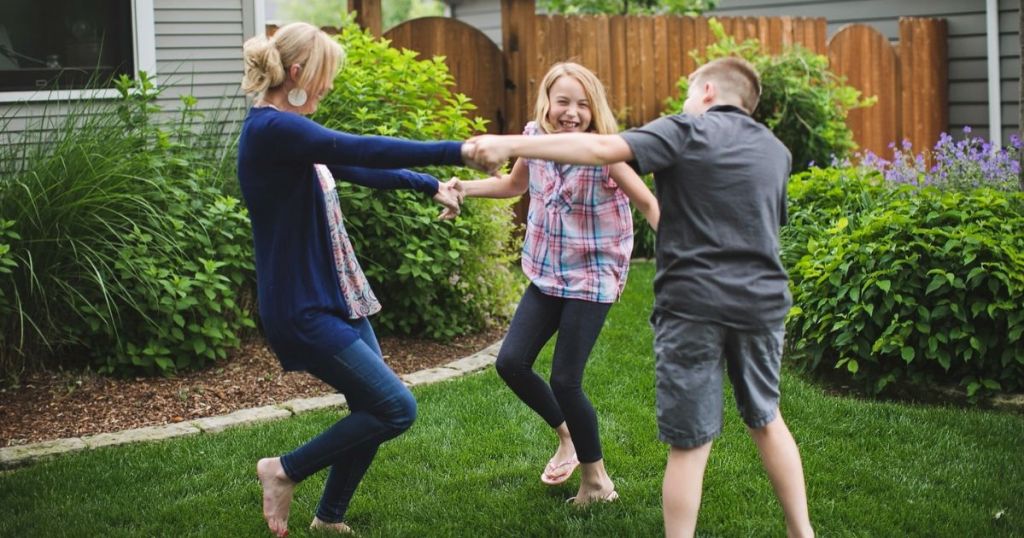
(967, 163)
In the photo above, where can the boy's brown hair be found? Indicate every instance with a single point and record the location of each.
(734, 76)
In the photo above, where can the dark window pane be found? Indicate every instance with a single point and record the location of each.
(63, 44)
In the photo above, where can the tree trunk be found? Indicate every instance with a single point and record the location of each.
(1020, 101)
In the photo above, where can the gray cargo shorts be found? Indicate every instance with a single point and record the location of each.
(690, 358)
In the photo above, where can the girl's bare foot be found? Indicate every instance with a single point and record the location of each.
(339, 527)
(561, 466)
(595, 485)
(277, 494)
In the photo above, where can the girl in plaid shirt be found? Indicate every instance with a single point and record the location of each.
(579, 237)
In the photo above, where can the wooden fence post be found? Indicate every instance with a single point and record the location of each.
(518, 43)
(368, 15)
(923, 75)
(865, 58)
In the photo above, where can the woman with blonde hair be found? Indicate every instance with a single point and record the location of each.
(314, 300)
(579, 238)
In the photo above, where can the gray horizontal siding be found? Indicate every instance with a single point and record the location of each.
(967, 45)
(199, 51)
(484, 15)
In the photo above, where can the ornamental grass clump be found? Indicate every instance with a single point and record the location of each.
(118, 246)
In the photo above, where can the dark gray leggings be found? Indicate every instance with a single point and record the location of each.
(578, 324)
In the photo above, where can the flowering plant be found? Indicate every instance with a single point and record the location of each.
(964, 164)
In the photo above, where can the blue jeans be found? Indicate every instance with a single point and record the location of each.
(381, 408)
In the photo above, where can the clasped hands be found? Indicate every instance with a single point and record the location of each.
(483, 152)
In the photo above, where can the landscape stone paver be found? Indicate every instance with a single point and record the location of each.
(302, 405)
(240, 418)
(431, 375)
(149, 433)
(15, 456)
(473, 363)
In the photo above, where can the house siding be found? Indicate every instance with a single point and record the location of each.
(484, 15)
(198, 53)
(968, 70)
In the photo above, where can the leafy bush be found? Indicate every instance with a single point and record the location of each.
(968, 163)
(924, 288)
(643, 236)
(802, 101)
(819, 198)
(436, 278)
(126, 250)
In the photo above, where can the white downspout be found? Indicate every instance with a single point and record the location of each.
(259, 17)
(995, 99)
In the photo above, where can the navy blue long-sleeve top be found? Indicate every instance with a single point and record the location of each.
(297, 281)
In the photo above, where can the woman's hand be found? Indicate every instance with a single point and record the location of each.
(450, 195)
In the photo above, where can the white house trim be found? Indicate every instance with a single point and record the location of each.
(145, 38)
(144, 30)
(260, 18)
(995, 98)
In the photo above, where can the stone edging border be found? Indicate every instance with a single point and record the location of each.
(16, 456)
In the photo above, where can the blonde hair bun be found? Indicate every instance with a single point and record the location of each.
(299, 43)
(263, 68)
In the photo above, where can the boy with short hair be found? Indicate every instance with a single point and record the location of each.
(721, 292)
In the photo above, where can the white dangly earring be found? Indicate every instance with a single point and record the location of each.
(297, 97)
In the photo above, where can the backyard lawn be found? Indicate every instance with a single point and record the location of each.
(470, 466)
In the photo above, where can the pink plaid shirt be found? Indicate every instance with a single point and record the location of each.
(579, 231)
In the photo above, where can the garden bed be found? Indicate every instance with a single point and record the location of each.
(59, 404)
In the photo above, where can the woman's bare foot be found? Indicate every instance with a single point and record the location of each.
(339, 527)
(277, 494)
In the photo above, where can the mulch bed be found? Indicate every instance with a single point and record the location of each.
(57, 404)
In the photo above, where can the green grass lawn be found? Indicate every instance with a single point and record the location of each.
(470, 466)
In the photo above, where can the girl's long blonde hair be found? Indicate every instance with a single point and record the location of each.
(602, 121)
(267, 59)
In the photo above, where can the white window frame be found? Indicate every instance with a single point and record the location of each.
(144, 48)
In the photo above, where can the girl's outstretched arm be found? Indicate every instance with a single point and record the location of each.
(509, 185)
(637, 192)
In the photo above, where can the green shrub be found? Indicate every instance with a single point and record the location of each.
(819, 198)
(126, 251)
(802, 101)
(643, 236)
(436, 278)
(925, 288)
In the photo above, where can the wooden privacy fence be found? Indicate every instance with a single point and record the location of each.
(640, 59)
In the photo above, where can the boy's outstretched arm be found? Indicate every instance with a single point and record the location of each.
(491, 151)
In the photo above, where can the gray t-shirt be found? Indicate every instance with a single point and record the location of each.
(721, 184)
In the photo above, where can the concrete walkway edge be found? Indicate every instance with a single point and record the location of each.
(15, 456)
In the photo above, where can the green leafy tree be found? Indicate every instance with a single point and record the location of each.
(332, 12)
(627, 7)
